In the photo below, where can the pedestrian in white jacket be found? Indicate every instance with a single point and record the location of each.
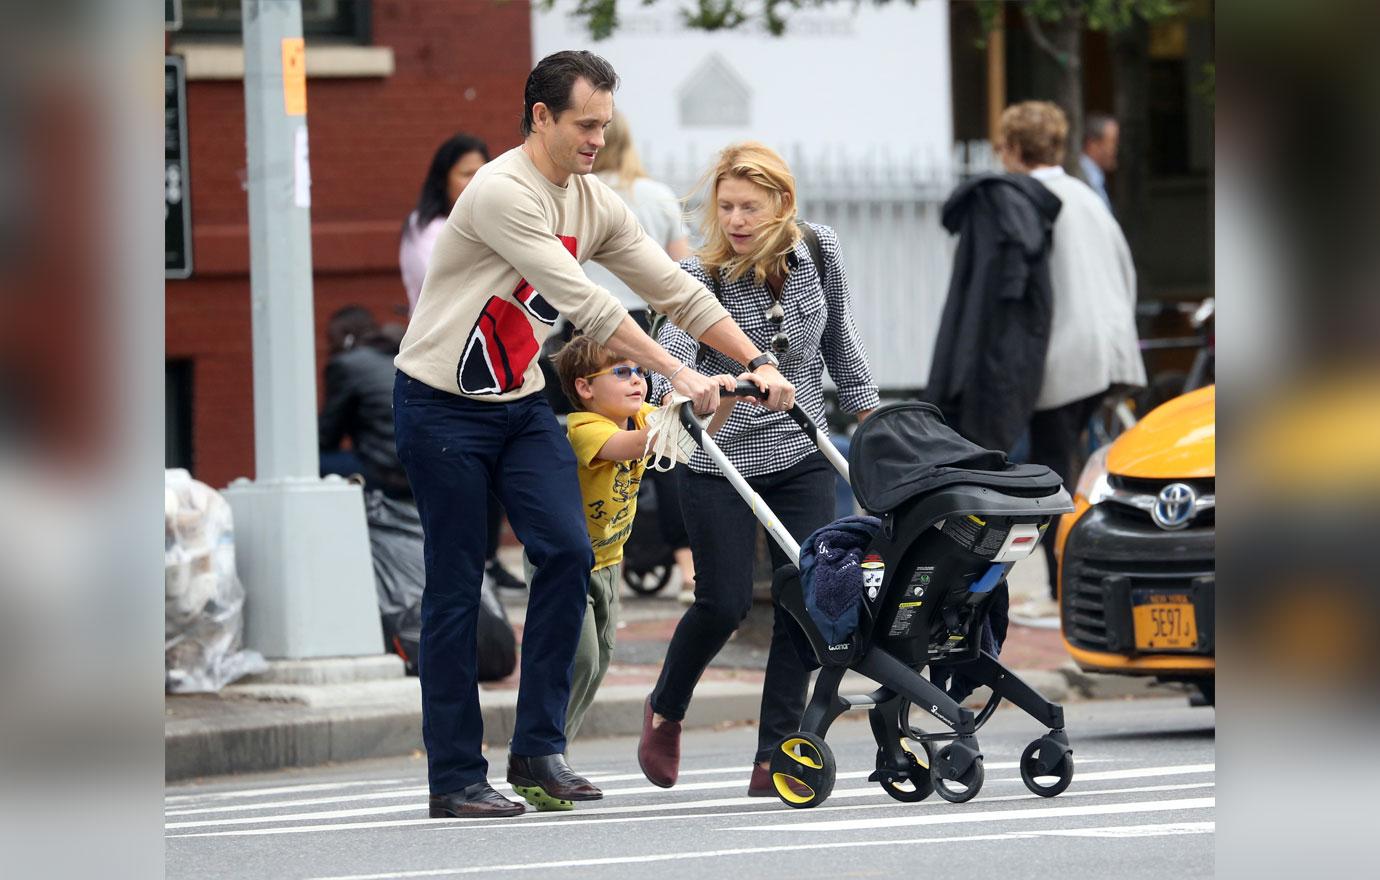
(1093, 346)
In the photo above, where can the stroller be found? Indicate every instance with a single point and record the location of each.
(954, 519)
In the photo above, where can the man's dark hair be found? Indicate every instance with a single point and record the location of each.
(1095, 126)
(552, 80)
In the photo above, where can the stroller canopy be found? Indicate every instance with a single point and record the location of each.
(906, 449)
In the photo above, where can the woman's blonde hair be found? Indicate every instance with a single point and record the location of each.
(619, 155)
(759, 164)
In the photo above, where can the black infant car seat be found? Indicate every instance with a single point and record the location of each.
(954, 518)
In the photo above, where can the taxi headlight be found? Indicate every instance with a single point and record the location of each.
(1093, 483)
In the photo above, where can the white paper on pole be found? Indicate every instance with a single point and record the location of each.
(301, 177)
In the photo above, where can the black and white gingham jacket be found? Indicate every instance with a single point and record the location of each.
(819, 322)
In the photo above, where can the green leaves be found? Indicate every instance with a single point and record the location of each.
(773, 16)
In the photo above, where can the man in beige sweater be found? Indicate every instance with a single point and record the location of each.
(470, 417)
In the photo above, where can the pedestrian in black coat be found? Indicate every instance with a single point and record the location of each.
(990, 354)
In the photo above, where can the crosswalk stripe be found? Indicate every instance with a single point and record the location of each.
(958, 818)
(1107, 831)
(606, 815)
(192, 798)
(933, 803)
(421, 792)
(1135, 773)
(389, 795)
(279, 789)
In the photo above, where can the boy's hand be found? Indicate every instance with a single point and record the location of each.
(729, 384)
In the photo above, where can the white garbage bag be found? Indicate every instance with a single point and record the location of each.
(203, 597)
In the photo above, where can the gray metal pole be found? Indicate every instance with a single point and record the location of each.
(275, 127)
(301, 543)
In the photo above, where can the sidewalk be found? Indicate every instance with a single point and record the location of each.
(297, 717)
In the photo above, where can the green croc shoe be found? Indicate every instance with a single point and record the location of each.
(540, 800)
(547, 782)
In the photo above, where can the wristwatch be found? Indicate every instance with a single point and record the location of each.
(762, 360)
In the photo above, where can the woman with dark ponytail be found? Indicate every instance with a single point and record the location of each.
(451, 170)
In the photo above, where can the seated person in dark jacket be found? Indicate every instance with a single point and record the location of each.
(359, 400)
(359, 405)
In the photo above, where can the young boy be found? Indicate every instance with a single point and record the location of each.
(608, 432)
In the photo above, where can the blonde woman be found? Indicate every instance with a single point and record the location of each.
(757, 259)
(659, 212)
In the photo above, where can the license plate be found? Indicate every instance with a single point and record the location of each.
(1164, 621)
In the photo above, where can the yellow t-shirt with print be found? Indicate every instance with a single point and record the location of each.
(609, 488)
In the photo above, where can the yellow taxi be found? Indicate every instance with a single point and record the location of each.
(1137, 557)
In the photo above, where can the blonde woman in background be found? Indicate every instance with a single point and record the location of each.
(659, 212)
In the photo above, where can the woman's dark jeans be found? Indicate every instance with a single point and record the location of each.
(723, 536)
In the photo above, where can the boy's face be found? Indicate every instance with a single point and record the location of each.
(609, 394)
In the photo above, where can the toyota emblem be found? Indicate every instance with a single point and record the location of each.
(1175, 506)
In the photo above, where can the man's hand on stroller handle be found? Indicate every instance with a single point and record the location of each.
(702, 390)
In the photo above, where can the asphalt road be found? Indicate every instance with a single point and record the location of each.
(1142, 804)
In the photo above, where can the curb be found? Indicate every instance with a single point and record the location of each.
(276, 735)
(273, 736)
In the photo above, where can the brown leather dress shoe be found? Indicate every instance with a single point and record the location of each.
(475, 801)
(658, 752)
(548, 783)
(760, 785)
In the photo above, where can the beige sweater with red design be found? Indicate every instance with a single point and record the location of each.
(507, 265)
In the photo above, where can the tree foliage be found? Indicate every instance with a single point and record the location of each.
(1107, 16)
(1112, 16)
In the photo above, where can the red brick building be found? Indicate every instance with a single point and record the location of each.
(395, 79)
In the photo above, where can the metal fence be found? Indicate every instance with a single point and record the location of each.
(886, 211)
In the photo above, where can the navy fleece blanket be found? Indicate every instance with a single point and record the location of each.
(831, 574)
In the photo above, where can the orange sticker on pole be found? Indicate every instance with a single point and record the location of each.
(294, 76)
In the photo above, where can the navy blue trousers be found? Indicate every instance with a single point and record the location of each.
(456, 450)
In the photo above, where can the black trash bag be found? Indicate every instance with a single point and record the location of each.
(395, 541)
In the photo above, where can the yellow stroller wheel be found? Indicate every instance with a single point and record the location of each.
(917, 784)
(806, 760)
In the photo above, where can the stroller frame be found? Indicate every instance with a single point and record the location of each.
(804, 761)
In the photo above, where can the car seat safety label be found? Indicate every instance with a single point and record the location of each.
(912, 600)
(901, 625)
(975, 535)
(873, 572)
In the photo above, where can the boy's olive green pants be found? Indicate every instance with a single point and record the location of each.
(596, 641)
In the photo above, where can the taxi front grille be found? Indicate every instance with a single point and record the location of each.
(1106, 558)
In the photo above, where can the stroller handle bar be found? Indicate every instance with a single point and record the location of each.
(759, 507)
(807, 424)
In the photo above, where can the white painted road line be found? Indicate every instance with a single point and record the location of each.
(1111, 831)
(303, 817)
(603, 816)
(280, 789)
(964, 818)
(179, 799)
(417, 794)
(1136, 773)
(186, 805)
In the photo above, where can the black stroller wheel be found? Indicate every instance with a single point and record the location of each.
(806, 760)
(965, 786)
(918, 783)
(650, 581)
(1040, 783)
